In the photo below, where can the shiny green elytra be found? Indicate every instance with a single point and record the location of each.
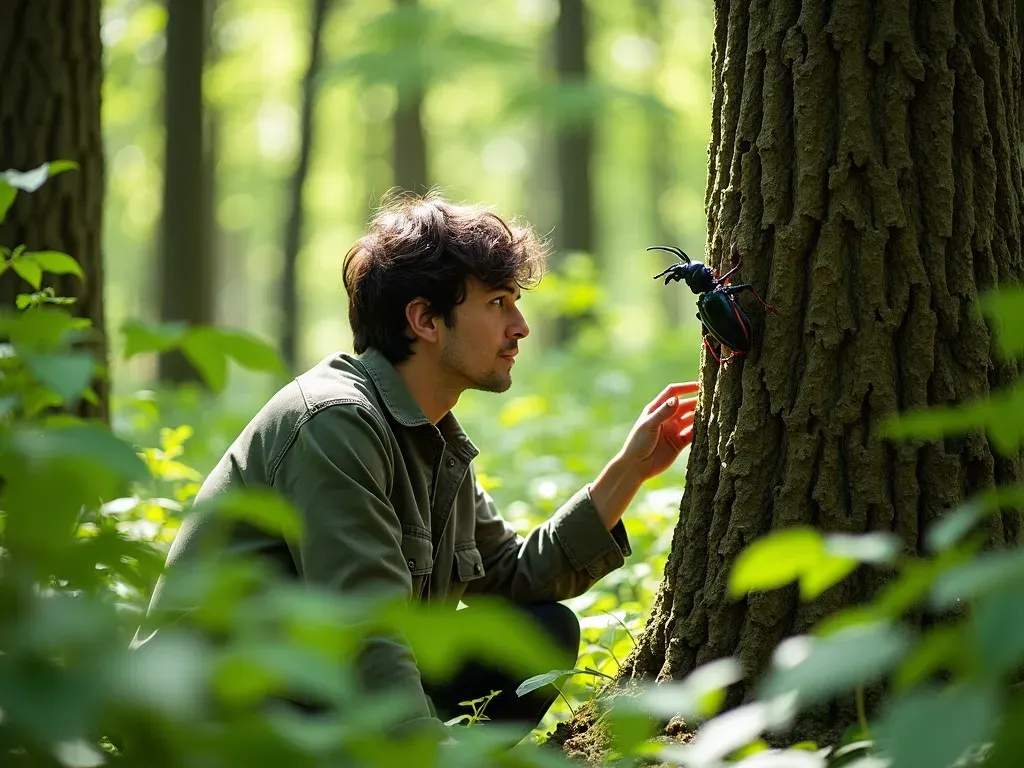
(717, 310)
(724, 320)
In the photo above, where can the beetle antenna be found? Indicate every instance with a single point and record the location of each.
(678, 252)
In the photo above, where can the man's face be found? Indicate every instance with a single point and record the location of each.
(480, 345)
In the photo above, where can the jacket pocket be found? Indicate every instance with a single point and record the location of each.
(418, 552)
(469, 564)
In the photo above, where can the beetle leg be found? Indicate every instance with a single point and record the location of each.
(733, 289)
(727, 360)
(724, 278)
(712, 351)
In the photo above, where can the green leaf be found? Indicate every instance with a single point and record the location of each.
(933, 728)
(955, 526)
(1000, 415)
(819, 668)
(50, 473)
(170, 676)
(142, 337)
(29, 271)
(775, 560)
(66, 374)
(825, 573)
(42, 329)
(204, 349)
(30, 181)
(1009, 743)
(989, 572)
(699, 695)
(629, 726)
(803, 554)
(250, 352)
(1005, 307)
(730, 731)
(60, 166)
(997, 626)
(56, 262)
(940, 648)
(519, 648)
(266, 510)
(854, 754)
(7, 196)
(539, 681)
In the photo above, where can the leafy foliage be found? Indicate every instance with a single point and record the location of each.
(87, 514)
(84, 525)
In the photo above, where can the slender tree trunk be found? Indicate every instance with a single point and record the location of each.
(574, 147)
(410, 142)
(576, 140)
(51, 70)
(186, 276)
(293, 228)
(865, 166)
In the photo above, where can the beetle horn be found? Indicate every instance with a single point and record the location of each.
(678, 252)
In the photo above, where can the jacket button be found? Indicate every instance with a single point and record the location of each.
(451, 461)
(478, 569)
(411, 563)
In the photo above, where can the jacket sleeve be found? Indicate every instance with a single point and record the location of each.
(560, 558)
(337, 474)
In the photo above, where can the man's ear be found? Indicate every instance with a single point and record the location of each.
(422, 324)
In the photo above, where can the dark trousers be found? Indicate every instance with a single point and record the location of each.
(475, 680)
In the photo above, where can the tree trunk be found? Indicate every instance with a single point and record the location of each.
(574, 146)
(575, 140)
(293, 228)
(186, 276)
(410, 142)
(865, 166)
(51, 67)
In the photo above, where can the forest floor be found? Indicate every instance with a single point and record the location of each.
(586, 742)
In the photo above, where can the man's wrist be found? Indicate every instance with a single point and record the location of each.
(614, 489)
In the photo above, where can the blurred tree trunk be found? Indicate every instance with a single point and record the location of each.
(185, 268)
(659, 149)
(410, 142)
(865, 165)
(574, 143)
(51, 67)
(293, 227)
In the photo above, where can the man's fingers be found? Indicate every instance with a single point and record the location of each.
(673, 390)
(681, 438)
(671, 409)
(683, 419)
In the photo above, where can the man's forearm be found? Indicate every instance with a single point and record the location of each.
(614, 489)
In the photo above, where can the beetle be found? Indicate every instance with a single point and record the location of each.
(719, 314)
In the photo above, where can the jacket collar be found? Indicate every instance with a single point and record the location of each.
(405, 410)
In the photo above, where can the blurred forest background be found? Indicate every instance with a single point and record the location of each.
(248, 142)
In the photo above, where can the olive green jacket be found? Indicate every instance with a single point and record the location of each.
(390, 504)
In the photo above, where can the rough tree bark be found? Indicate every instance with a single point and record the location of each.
(864, 164)
(51, 67)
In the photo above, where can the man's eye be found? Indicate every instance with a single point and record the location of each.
(500, 301)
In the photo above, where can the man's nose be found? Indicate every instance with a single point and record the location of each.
(520, 329)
